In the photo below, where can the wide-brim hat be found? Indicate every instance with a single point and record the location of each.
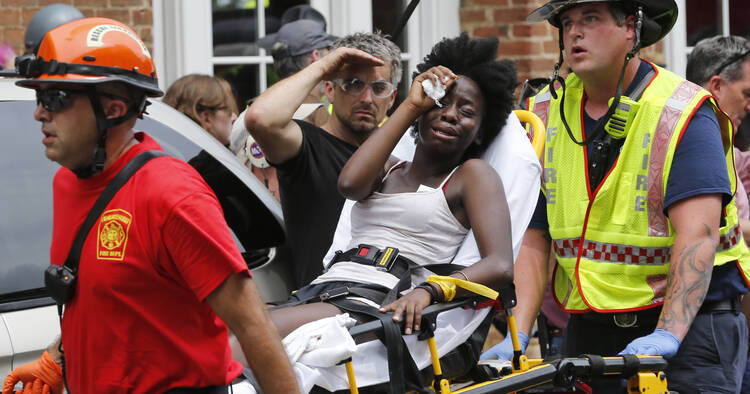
(660, 15)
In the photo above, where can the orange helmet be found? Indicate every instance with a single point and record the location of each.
(92, 51)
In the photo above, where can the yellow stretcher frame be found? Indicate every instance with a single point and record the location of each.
(537, 132)
(526, 373)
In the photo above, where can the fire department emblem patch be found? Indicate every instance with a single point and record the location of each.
(114, 226)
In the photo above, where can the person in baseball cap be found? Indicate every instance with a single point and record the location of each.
(296, 45)
(300, 42)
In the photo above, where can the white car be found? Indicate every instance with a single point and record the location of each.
(28, 317)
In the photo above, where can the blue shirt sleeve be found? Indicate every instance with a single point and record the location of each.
(539, 218)
(699, 166)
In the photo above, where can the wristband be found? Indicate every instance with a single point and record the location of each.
(431, 290)
(448, 287)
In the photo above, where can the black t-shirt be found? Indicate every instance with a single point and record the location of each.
(310, 198)
(242, 215)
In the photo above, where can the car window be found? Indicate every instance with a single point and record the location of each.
(25, 199)
(251, 222)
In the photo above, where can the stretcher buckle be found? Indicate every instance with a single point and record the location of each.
(334, 293)
(371, 255)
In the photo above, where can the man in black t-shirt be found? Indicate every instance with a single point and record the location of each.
(360, 75)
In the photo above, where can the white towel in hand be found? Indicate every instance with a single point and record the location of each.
(321, 343)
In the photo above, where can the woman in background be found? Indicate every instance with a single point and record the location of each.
(207, 100)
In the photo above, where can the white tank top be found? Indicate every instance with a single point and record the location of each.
(420, 224)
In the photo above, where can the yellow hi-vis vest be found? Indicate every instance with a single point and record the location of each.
(614, 244)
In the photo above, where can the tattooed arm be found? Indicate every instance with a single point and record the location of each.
(696, 224)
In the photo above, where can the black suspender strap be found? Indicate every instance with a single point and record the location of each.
(109, 192)
(60, 280)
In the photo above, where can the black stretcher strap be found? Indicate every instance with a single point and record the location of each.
(402, 370)
(596, 364)
(404, 281)
(401, 269)
(632, 365)
(370, 291)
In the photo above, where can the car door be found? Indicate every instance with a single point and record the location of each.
(6, 350)
(28, 317)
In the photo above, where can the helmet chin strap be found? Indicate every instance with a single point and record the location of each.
(99, 154)
(618, 92)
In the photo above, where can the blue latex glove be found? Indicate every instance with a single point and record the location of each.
(504, 349)
(658, 343)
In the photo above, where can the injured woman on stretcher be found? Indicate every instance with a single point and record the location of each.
(420, 211)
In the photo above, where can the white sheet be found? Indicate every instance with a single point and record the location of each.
(321, 343)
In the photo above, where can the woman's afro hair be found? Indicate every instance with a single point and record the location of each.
(475, 58)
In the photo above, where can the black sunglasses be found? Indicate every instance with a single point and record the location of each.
(731, 60)
(55, 99)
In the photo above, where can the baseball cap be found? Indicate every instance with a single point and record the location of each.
(301, 36)
(303, 11)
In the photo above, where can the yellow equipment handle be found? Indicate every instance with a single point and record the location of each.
(539, 132)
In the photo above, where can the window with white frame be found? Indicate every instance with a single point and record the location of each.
(237, 24)
(236, 27)
(699, 19)
(218, 37)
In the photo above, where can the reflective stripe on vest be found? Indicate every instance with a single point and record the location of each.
(670, 115)
(628, 254)
(541, 106)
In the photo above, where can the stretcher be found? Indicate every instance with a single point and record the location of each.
(644, 374)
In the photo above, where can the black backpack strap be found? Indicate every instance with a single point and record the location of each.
(109, 192)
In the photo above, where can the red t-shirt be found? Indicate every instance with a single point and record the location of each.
(138, 322)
